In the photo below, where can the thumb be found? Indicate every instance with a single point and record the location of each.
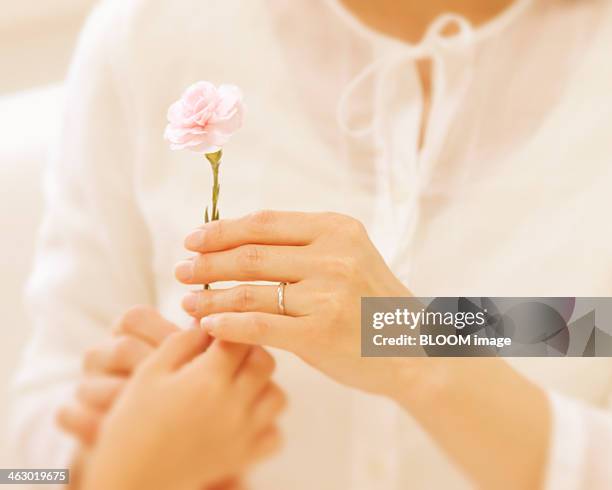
(253, 328)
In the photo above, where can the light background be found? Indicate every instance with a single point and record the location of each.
(37, 38)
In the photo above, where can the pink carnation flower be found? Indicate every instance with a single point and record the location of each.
(205, 117)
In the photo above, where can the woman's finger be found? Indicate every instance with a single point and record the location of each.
(79, 420)
(119, 355)
(281, 331)
(249, 297)
(99, 392)
(146, 324)
(247, 263)
(263, 227)
(254, 374)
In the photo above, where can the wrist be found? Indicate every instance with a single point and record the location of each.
(104, 471)
(93, 479)
(427, 384)
(460, 403)
(420, 383)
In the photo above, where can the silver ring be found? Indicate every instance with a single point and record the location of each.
(280, 291)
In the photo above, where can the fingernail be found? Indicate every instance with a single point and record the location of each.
(195, 240)
(184, 271)
(190, 303)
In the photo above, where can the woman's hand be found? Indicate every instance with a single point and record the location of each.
(188, 417)
(328, 262)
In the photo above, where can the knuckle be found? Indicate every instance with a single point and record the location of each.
(342, 267)
(215, 231)
(262, 217)
(345, 225)
(205, 302)
(338, 219)
(250, 257)
(331, 302)
(243, 299)
(333, 218)
(353, 227)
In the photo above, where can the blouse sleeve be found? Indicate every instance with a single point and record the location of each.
(93, 255)
(580, 455)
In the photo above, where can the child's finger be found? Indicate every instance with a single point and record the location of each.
(222, 358)
(99, 392)
(178, 349)
(80, 421)
(266, 443)
(255, 372)
(145, 323)
(119, 355)
(268, 406)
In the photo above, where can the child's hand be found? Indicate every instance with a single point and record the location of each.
(188, 417)
(108, 366)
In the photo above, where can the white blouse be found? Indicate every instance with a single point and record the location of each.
(507, 196)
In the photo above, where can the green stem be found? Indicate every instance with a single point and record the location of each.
(215, 163)
(215, 190)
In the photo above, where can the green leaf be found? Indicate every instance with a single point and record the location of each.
(206, 220)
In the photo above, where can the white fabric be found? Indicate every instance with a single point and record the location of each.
(505, 198)
(22, 159)
(582, 447)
